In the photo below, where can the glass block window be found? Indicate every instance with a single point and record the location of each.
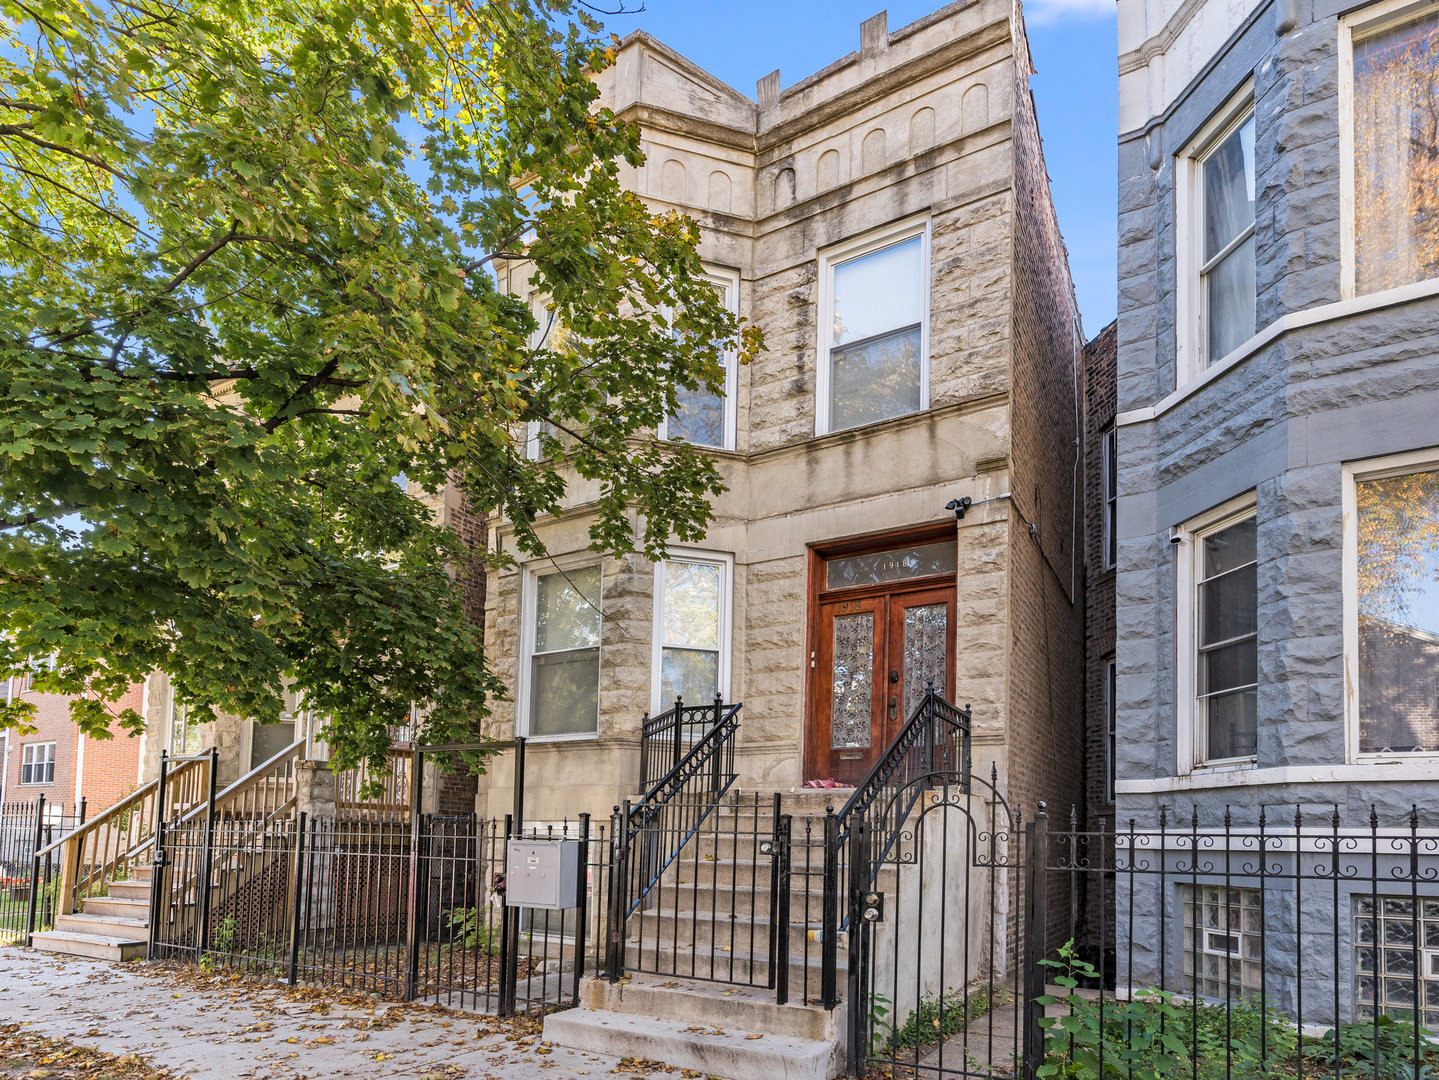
(1223, 946)
(1386, 931)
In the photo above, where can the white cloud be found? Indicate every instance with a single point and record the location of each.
(1047, 12)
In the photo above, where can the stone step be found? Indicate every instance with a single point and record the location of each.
(713, 1051)
(725, 871)
(749, 1008)
(130, 890)
(107, 925)
(734, 968)
(97, 946)
(720, 930)
(116, 905)
(703, 895)
(143, 872)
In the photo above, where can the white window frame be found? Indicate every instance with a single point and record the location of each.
(1191, 318)
(1371, 20)
(726, 563)
(1190, 734)
(1353, 472)
(28, 754)
(529, 597)
(852, 249)
(730, 280)
(1109, 482)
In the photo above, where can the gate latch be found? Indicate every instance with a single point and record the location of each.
(872, 907)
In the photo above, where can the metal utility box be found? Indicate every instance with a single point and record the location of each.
(543, 874)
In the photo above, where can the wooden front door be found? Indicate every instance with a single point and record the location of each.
(874, 648)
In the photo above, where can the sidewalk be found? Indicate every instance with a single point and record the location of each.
(210, 1027)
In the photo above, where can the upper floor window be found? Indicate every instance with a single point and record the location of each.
(184, 731)
(1219, 639)
(562, 652)
(37, 763)
(703, 417)
(1217, 292)
(1393, 603)
(692, 605)
(1109, 471)
(874, 330)
(1394, 181)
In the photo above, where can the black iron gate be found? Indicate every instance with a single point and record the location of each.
(945, 931)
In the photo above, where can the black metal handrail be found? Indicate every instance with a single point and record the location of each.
(649, 835)
(665, 737)
(934, 742)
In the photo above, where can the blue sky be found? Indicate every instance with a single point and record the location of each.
(1073, 43)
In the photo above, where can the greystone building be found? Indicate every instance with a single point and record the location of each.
(1278, 453)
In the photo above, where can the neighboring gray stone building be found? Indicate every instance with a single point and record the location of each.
(1278, 446)
(887, 223)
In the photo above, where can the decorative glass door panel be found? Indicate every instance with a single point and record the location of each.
(852, 706)
(874, 655)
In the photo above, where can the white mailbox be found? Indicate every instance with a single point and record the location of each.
(543, 874)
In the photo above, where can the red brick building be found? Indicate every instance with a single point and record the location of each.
(56, 761)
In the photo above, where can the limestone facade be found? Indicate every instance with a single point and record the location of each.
(930, 126)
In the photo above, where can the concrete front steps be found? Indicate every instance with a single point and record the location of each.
(113, 927)
(734, 1032)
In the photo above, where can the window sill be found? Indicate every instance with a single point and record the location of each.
(1295, 320)
(1387, 770)
(578, 736)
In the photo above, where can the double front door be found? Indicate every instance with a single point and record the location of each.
(874, 648)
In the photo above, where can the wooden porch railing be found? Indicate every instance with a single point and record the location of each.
(107, 846)
(393, 804)
(264, 793)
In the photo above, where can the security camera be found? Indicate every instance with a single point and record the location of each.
(959, 506)
(1177, 535)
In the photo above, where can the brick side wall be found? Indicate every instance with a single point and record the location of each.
(110, 766)
(1046, 736)
(1045, 590)
(1099, 412)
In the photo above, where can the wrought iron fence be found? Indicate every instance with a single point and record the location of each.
(666, 737)
(29, 885)
(376, 906)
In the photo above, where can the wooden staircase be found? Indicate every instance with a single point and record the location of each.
(112, 927)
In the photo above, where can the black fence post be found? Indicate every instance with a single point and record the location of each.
(157, 888)
(829, 925)
(582, 916)
(207, 857)
(858, 974)
(677, 729)
(619, 874)
(35, 870)
(1036, 917)
(781, 921)
(293, 975)
(412, 928)
(507, 919)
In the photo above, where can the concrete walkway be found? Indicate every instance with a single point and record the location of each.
(211, 1027)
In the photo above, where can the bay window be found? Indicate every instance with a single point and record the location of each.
(1392, 598)
(1393, 132)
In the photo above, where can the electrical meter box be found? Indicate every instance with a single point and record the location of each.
(543, 874)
